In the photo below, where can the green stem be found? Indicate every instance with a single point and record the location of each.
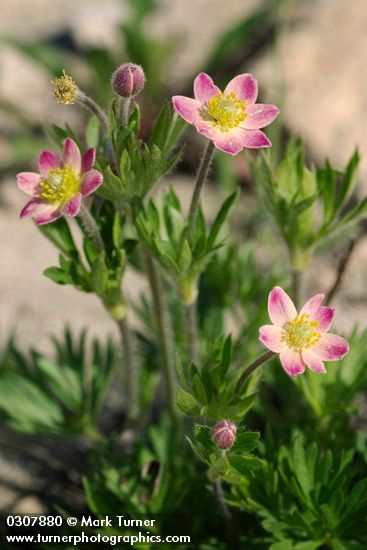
(200, 180)
(342, 266)
(130, 373)
(257, 363)
(92, 106)
(219, 494)
(164, 336)
(131, 387)
(191, 333)
(124, 110)
(91, 227)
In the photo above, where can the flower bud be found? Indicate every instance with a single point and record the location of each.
(128, 80)
(224, 434)
(65, 89)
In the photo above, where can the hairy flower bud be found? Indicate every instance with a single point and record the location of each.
(224, 434)
(65, 89)
(128, 80)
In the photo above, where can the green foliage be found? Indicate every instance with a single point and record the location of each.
(311, 499)
(336, 393)
(164, 232)
(235, 465)
(292, 194)
(141, 165)
(210, 390)
(235, 285)
(60, 395)
(71, 269)
(104, 272)
(144, 484)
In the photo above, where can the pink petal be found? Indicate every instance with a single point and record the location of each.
(324, 316)
(28, 182)
(271, 337)
(310, 308)
(72, 156)
(48, 160)
(204, 88)
(292, 362)
(187, 107)
(36, 207)
(280, 307)
(259, 115)
(244, 86)
(72, 207)
(254, 139)
(232, 141)
(331, 347)
(88, 159)
(313, 361)
(47, 217)
(229, 142)
(90, 182)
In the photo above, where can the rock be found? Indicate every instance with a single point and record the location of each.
(320, 63)
(29, 505)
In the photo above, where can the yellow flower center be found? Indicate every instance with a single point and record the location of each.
(227, 110)
(61, 185)
(300, 333)
(65, 89)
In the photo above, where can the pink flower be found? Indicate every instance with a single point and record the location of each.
(231, 119)
(301, 339)
(59, 187)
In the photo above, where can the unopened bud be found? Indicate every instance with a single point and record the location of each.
(128, 80)
(65, 89)
(224, 434)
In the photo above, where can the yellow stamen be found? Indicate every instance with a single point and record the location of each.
(65, 89)
(227, 110)
(61, 185)
(300, 333)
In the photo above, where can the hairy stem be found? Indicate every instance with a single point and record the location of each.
(131, 387)
(91, 227)
(164, 332)
(92, 106)
(257, 363)
(200, 180)
(218, 490)
(124, 110)
(340, 272)
(130, 372)
(191, 333)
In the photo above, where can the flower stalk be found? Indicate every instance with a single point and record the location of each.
(118, 313)
(92, 106)
(191, 333)
(164, 335)
(342, 267)
(91, 228)
(123, 112)
(200, 180)
(250, 369)
(131, 386)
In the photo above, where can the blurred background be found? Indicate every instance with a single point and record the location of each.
(309, 57)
